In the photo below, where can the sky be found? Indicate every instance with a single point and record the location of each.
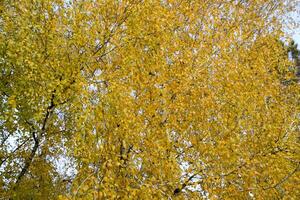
(296, 16)
(296, 36)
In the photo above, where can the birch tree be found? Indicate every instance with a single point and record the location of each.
(133, 99)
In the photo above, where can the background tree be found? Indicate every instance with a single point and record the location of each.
(295, 55)
(148, 99)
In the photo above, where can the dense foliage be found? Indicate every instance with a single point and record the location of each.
(147, 99)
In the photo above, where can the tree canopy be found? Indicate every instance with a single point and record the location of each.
(147, 99)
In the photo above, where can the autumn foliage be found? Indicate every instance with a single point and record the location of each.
(147, 99)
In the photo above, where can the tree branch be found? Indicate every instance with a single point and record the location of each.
(284, 179)
(36, 139)
(179, 189)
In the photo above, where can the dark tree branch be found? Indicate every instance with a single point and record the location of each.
(15, 150)
(179, 189)
(29, 160)
(36, 139)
